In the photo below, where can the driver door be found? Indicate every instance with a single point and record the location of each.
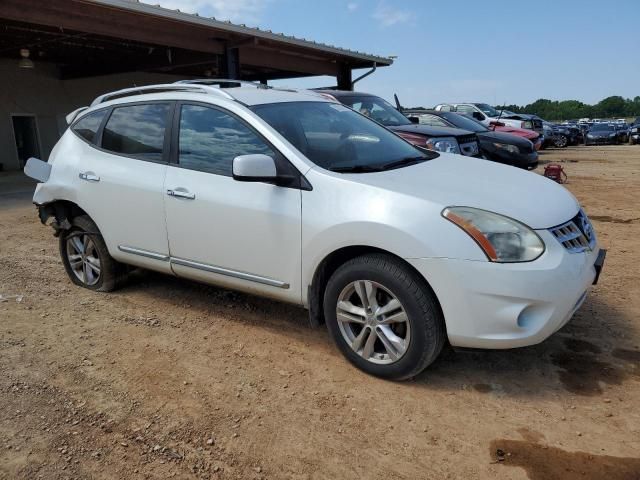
(237, 234)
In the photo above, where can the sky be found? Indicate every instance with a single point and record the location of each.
(493, 51)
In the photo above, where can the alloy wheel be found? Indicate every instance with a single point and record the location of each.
(561, 141)
(83, 258)
(373, 322)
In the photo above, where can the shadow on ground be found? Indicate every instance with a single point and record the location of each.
(579, 359)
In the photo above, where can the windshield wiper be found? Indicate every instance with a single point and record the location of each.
(402, 163)
(355, 169)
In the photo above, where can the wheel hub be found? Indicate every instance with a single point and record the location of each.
(373, 322)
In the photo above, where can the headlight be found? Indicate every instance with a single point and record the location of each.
(506, 147)
(612, 134)
(502, 239)
(634, 130)
(589, 135)
(444, 144)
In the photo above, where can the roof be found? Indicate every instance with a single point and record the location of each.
(158, 10)
(344, 93)
(247, 94)
(85, 38)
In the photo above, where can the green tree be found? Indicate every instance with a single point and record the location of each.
(610, 107)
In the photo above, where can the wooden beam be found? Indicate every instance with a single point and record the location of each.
(96, 19)
(280, 60)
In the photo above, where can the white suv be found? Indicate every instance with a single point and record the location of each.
(291, 195)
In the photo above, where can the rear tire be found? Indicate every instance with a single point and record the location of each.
(390, 325)
(86, 258)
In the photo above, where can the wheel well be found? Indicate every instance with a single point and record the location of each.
(329, 265)
(63, 212)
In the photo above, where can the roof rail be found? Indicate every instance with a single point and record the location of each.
(222, 83)
(170, 87)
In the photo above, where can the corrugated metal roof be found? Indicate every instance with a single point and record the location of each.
(194, 18)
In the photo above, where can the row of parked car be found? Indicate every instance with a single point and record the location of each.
(474, 130)
(480, 130)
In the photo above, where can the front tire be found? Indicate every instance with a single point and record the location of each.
(384, 317)
(86, 258)
(561, 141)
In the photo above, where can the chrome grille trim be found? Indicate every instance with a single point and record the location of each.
(572, 237)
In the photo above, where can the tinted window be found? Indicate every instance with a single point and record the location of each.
(210, 139)
(87, 127)
(602, 127)
(432, 121)
(488, 110)
(465, 109)
(377, 108)
(137, 130)
(337, 138)
(465, 123)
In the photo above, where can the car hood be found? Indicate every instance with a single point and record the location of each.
(455, 180)
(501, 137)
(430, 131)
(520, 132)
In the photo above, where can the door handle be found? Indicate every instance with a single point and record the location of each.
(181, 194)
(89, 177)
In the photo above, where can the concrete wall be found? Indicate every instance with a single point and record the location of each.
(39, 92)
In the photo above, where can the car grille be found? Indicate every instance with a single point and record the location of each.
(576, 235)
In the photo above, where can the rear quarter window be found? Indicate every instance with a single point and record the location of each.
(137, 130)
(87, 127)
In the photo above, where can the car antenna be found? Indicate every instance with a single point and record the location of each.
(499, 117)
(398, 106)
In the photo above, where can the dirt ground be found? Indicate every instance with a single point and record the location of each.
(170, 379)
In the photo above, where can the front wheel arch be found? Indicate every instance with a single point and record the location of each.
(333, 261)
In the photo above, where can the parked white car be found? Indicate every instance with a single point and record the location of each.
(488, 116)
(290, 195)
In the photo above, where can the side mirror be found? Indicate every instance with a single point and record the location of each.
(414, 119)
(478, 116)
(497, 124)
(255, 168)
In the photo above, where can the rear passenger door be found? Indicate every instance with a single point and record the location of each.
(120, 180)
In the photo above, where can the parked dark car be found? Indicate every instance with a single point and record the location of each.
(561, 136)
(634, 132)
(496, 146)
(441, 139)
(622, 129)
(601, 134)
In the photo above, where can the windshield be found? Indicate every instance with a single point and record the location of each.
(463, 122)
(376, 108)
(339, 139)
(601, 127)
(488, 110)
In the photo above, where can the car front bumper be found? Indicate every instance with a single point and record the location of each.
(497, 306)
(601, 141)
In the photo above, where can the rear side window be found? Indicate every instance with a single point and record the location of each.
(137, 130)
(466, 109)
(432, 120)
(87, 127)
(210, 139)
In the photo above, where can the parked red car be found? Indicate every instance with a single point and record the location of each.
(535, 137)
